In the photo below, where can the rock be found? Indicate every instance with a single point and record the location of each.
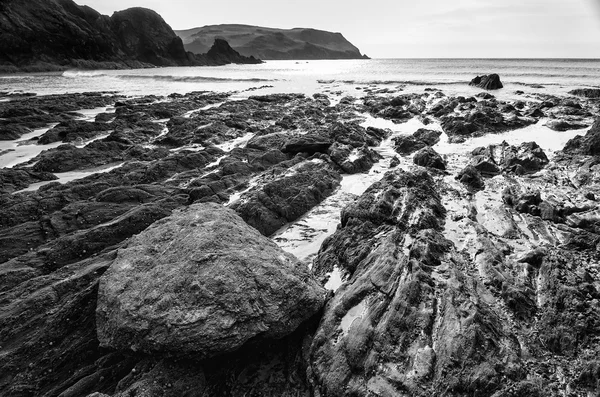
(157, 297)
(527, 158)
(428, 157)
(565, 125)
(487, 82)
(376, 336)
(69, 131)
(430, 137)
(13, 179)
(286, 198)
(221, 53)
(588, 145)
(351, 160)
(309, 144)
(471, 177)
(592, 93)
(407, 144)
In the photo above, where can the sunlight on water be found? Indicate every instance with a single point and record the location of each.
(453, 75)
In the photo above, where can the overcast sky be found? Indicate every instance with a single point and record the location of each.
(408, 28)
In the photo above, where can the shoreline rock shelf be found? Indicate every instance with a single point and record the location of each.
(470, 266)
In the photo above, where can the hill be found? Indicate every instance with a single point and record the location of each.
(271, 43)
(43, 35)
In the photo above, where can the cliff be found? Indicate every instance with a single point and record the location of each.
(43, 35)
(269, 43)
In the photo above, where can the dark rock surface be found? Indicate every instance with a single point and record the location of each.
(442, 283)
(287, 197)
(526, 158)
(487, 82)
(427, 157)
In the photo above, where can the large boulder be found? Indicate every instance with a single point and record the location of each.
(202, 282)
(487, 82)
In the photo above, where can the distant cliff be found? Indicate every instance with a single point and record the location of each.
(42, 35)
(269, 43)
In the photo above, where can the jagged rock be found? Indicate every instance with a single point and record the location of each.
(13, 179)
(69, 131)
(202, 283)
(428, 157)
(430, 137)
(588, 145)
(309, 144)
(487, 82)
(351, 160)
(376, 336)
(528, 157)
(471, 177)
(407, 144)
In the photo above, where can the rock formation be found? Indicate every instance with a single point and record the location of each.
(154, 277)
(487, 82)
(42, 35)
(202, 283)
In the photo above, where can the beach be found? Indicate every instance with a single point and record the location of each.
(441, 221)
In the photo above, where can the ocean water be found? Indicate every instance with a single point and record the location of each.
(552, 76)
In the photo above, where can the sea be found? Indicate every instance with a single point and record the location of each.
(341, 77)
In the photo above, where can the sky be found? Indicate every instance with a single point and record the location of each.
(408, 28)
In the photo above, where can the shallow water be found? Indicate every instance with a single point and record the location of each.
(64, 177)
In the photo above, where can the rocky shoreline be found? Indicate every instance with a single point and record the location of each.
(439, 249)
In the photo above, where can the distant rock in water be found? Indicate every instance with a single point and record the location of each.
(488, 82)
(202, 282)
(270, 43)
(45, 35)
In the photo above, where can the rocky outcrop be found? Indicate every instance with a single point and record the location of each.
(34, 40)
(588, 145)
(526, 158)
(592, 93)
(427, 157)
(395, 325)
(270, 43)
(407, 144)
(487, 82)
(202, 283)
(287, 197)
(45, 35)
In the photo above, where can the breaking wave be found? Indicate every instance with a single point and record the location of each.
(387, 82)
(193, 78)
(83, 73)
